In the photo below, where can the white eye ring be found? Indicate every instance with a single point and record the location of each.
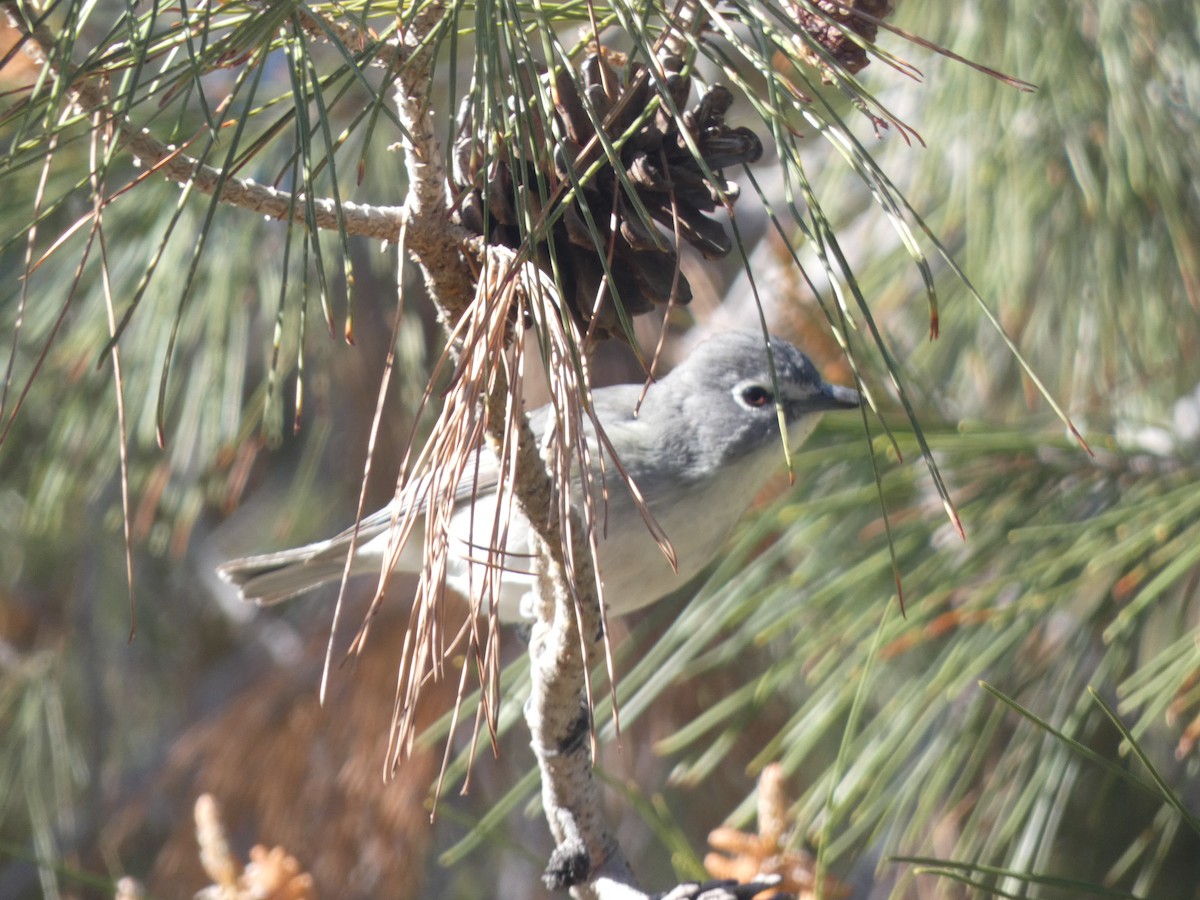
(752, 395)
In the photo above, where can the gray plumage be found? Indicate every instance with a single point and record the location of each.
(702, 445)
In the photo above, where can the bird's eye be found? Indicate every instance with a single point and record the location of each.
(757, 396)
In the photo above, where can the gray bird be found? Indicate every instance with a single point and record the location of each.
(702, 445)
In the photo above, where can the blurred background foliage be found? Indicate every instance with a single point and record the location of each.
(1073, 211)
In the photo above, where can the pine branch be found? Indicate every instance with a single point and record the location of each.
(586, 856)
(586, 859)
(559, 721)
(433, 240)
(91, 98)
(327, 29)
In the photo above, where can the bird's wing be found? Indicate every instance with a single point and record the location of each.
(272, 577)
(480, 476)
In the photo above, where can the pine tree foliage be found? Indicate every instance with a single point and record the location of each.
(161, 336)
(975, 731)
(988, 737)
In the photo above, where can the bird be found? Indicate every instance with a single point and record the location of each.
(700, 446)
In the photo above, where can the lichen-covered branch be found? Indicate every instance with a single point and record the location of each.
(559, 722)
(430, 236)
(557, 713)
(586, 856)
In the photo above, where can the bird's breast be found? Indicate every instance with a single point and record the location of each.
(696, 517)
(694, 514)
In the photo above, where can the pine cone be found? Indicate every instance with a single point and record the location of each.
(849, 55)
(659, 174)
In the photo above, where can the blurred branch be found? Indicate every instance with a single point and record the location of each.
(270, 873)
(346, 33)
(91, 97)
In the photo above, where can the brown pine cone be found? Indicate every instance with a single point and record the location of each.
(659, 180)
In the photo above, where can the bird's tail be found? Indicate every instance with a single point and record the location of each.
(275, 577)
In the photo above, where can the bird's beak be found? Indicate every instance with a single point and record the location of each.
(834, 396)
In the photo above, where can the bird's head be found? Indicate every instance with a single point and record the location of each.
(726, 397)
